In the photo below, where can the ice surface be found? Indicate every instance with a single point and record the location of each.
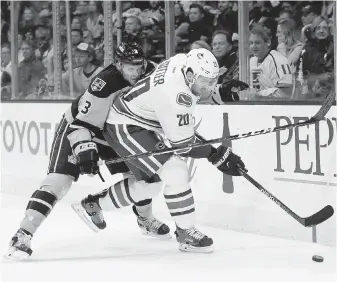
(65, 249)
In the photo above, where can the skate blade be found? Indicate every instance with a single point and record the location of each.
(15, 254)
(191, 249)
(161, 237)
(80, 211)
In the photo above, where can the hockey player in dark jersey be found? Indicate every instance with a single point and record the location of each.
(79, 143)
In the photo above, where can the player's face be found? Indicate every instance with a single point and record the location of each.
(132, 73)
(322, 30)
(202, 87)
(258, 46)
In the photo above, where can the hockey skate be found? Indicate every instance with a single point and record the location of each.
(192, 240)
(19, 247)
(150, 226)
(90, 212)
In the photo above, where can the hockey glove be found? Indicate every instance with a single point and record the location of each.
(226, 161)
(229, 90)
(87, 157)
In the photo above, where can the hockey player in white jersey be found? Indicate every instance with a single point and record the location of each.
(163, 103)
(271, 72)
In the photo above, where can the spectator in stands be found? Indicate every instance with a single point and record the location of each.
(284, 15)
(318, 58)
(133, 31)
(44, 42)
(227, 19)
(29, 19)
(83, 74)
(82, 12)
(196, 28)
(94, 17)
(76, 38)
(6, 58)
(223, 51)
(29, 36)
(30, 70)
(200, 44)
(4, 29)
(128, 10)
(132, 27)
(154, 14)
(270, 71)
(288, 42)
(76, 23)
(179, 15)
(46, 17)
(98, 44)
(309, 13)
(6, 86)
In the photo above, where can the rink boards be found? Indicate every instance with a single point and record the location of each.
(298, 166)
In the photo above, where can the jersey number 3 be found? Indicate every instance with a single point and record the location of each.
(86, 107)
(184, 119)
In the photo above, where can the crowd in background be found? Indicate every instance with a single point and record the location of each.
(301, 31)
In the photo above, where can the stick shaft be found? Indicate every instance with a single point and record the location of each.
(213, 141)
(271, 196)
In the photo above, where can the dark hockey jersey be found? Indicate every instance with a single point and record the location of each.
(88, 113)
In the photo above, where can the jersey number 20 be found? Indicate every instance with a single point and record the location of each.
(184, 119)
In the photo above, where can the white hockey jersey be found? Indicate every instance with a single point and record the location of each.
(277, 70)
(161, 102)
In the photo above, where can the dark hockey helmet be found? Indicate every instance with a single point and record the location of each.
(130, 53)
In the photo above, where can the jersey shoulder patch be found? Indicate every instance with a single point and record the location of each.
(184, 99)
(97, 84)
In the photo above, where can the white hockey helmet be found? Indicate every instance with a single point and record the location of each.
(201, 62)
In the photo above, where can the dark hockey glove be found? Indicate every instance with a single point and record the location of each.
(229, 90)
(226, 161)
(87, 157)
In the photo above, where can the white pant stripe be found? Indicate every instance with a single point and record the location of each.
(113, 192)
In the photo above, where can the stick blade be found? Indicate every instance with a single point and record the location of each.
(319, 217)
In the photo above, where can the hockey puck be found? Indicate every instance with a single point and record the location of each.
(317, 258)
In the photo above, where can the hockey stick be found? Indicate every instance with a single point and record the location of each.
(309, 221)
(316, 118)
